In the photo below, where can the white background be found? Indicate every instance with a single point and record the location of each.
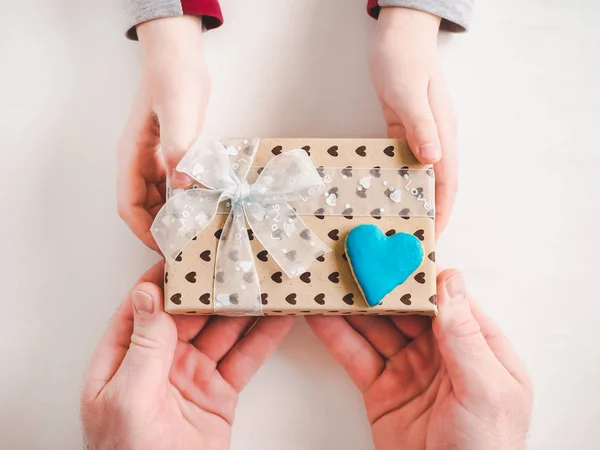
(524, 230)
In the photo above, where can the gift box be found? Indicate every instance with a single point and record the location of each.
(263, 229)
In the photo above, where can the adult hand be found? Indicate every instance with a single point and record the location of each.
(168, 110)
(162, 382)
(456, 384)
(408, 80)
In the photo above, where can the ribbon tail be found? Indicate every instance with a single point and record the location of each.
(181, 219)
(285, 236)
(236, 285)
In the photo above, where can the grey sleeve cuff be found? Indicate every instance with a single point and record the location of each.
(455, 14)
(140, 11)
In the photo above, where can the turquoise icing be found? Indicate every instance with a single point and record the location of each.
(380, 263)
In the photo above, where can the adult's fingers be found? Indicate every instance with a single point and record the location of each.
(411, 326)
(381, 333)
(188, 327)
(250, 353)
(113, 345)
(221, 334)
(356, 355)
(471, 364)
(446, 169)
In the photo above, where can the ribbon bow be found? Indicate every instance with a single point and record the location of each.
(288, 177)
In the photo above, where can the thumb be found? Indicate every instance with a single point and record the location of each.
(150, 354)
(421, 129)
(471, 364)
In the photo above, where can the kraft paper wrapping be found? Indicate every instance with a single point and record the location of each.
(327, 287)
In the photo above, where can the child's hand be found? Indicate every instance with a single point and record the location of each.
(456, 384)
(416, 105)
(158, 381)
(168, 110)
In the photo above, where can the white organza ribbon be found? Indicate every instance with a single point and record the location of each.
(222, 170)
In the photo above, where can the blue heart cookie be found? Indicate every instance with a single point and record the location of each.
(380, 263)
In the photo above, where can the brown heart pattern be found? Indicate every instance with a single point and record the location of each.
(320, 299)
(333, 151)
(376, 213)
(420, 277)
(334, 277)
(420, 234)
(191, 277)
(276, 277)
(406, 299)
(176, 298)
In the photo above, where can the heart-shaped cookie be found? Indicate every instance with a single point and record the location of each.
(380, 263)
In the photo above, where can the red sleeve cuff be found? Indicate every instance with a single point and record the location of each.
(373, 8)
(210, 10)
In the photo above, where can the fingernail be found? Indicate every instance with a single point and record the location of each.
(456, 288)
(430, 152)
(142, 303)
(179, 179)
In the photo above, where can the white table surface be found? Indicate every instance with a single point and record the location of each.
(524, 230)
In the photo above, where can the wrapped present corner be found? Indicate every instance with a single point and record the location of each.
(262, 230)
